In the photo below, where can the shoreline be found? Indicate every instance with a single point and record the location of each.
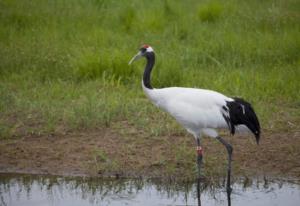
(113, 155)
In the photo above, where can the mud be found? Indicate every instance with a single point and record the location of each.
(105, 152)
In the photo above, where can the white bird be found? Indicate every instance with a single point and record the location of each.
(200, 111)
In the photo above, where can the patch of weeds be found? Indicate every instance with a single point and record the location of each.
(169, 73)
(170, 169)
(90, 67)
(168, 10)
(210, 12)
(159, 163)
(184, 155)
(154, 22)
(107, 65)
(103, 164)
(5, 131)
(156, 131)
(127, 18)
(100, 156)
(214, 166)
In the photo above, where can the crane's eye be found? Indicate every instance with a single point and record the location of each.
(143, 50)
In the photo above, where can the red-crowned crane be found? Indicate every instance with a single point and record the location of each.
(200, 111)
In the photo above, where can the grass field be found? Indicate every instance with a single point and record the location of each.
(64, 64)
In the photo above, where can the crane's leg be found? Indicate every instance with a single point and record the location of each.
(199, 164)
(199, 156)
(199, 191)
(229, 150)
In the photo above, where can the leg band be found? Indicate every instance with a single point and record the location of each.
(199, 150)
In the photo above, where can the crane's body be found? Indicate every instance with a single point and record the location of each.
(200, 111)
(197, 110)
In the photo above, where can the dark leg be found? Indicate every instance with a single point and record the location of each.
(199, 157)
(229, 197)
(199, 163)
(198, 192)
(229, 150)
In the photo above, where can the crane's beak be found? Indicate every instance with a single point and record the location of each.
(136, 57)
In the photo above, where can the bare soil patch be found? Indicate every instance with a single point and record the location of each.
(106, 152)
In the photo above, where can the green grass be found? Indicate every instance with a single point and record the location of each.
(64, 64)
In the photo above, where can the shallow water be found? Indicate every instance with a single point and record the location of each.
(36, 190)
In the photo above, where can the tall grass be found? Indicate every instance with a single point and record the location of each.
(64, 64)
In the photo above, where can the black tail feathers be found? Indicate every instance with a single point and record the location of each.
(242, 113)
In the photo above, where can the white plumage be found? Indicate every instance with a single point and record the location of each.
(197, 110)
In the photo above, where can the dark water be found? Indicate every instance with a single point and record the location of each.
(37, 190)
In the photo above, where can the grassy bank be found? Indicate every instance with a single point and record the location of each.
(64, 64)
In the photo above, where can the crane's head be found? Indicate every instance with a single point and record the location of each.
(143, 51)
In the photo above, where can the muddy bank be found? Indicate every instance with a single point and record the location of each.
(107, 152)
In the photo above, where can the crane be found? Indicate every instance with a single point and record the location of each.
(200, 111)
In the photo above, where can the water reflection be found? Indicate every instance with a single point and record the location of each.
(200, 189)
(48, 190)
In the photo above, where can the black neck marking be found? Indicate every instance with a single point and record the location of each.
(150, 56)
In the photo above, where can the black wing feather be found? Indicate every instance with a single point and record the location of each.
(241, 112)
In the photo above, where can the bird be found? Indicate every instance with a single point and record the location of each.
(200, 111)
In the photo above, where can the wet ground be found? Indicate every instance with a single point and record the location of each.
(133, 154)
(31, 190)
